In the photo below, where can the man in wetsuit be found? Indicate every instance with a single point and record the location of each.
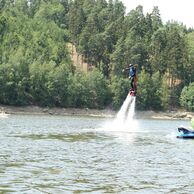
(132, 76)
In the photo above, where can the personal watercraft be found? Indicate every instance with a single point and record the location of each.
(185, 133)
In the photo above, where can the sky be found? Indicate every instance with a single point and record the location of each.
(176, 10)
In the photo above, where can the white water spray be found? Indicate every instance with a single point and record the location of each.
(124, 120)
(127, 111)
(131, 111)
(124, 126)
(122, 114)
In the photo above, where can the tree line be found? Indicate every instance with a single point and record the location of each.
(36, 68)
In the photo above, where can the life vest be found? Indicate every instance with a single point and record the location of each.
(132, 72)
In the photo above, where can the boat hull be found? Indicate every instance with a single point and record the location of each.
(185, 133)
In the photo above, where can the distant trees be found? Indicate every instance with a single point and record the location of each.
(119, 89)
(189, 76)
(88, 90)
(187, 97)
(35, 64)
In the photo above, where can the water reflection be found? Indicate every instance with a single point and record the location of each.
(67, 137)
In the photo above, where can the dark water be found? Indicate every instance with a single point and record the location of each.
(51, 154)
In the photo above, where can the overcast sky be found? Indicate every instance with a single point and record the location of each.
(177, 10)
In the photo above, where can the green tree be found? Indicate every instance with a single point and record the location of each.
(190, 67)
(144, 91)
(78, 91)
(165, 93)
(158, 51)
(88, 90)
(2, 4)
(88, 6)
(136, 38)
(119, 89)
(156, 19)
(58, 85)
(155, 98)
(117, 58)
(176, 51)
(39, 75)
(76, 22)
(98, 89)
(3, 26)
(187, 97)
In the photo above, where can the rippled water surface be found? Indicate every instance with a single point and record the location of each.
(55, 154)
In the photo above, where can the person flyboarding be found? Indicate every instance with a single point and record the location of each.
(133, 78)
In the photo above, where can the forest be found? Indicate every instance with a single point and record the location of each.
(36, 66)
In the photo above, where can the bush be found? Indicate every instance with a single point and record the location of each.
(144, 91)
(88, 90)
(187, 97)
(119, 88)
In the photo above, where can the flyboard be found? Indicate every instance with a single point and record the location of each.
(132, 92)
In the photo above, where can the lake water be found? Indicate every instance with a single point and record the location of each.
(55, 154)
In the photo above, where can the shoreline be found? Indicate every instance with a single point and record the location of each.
(104, 113)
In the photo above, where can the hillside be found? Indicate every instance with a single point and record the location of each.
(46, 48)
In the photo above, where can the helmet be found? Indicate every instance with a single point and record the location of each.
(130, 65)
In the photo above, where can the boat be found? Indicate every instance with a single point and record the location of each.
(185, 133)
